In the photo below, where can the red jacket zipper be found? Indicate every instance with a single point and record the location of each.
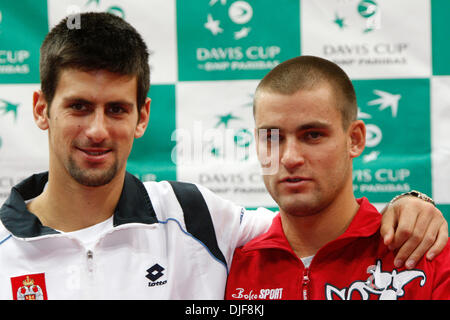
(305, 283)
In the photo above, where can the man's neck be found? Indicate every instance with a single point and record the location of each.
(307, 234)
(70, 206)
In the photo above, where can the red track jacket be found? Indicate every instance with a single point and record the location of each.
(357, 265)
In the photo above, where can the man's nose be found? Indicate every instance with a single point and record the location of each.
(97, 126)
(291, 154)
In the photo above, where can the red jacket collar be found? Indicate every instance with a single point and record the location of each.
(366, 222)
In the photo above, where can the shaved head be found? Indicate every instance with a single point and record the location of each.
(309, 72)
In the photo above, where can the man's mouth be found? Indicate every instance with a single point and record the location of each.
(295, 182)
(95, 153)
(293, 179)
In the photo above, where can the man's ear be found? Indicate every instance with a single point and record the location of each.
(357, 138)
(144, 118)
(40, 110)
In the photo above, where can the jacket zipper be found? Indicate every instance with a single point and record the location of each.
(90, 263)
(305, 283)
(90, 288)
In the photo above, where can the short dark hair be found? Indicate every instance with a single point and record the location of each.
(103, 42)
(308, 72)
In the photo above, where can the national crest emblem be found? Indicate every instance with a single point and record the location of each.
(29, 287)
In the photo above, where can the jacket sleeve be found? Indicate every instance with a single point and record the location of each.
(234, 225)
(441, 279)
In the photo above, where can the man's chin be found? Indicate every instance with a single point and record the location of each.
(92, 177)
(300, 208)
(94, 180)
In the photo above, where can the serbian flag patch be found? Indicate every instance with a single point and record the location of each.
(29, 287)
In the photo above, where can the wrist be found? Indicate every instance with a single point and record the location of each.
(414, 193)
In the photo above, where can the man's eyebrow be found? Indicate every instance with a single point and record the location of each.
(314, 125)
(76, 99)
(302, 127)
(120, 102)
(268, 127)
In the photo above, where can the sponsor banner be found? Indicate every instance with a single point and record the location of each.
(20, 39)
(150, 158)
(440, 17)
(394, 160)
(23, 146)
(225, 40)
(160, 37)
(366, 38)
(440, 118)
(445, 209)
(215, 141)
(207, 57)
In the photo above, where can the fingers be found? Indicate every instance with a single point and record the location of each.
(414, 227)
(427, 235)
(406, 218)
(388, 225)
(411, 240)
(440, 243)
(417, 245)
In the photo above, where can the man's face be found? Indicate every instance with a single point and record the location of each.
(92, 122)
(314, 155)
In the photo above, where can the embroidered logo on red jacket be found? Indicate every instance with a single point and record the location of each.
(387, 285)
(29, 287)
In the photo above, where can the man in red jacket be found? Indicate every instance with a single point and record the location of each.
(325, 243)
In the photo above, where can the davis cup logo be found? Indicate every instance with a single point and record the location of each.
(240, 13)
(395, 159)
(73, 12)
(7, 107)
(368, 16)
(365, 38)
(231, 39)
(29, 287)
(118, 11)
(374, 134)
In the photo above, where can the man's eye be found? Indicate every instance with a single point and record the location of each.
(78, 107)
(269, 135)
(313, 135)
(269, 138)
(116, 109)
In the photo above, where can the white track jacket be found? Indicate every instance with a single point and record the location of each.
(164, 245)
